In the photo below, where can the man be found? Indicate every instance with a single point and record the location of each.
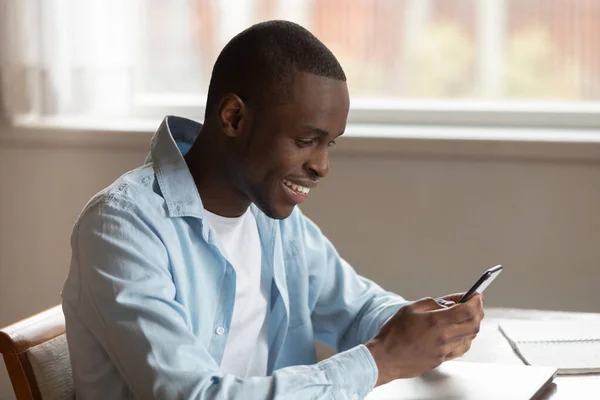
(196, 276)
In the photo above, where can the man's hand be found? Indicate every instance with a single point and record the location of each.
(424, 334)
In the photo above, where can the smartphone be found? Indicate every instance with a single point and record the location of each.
(486, 279)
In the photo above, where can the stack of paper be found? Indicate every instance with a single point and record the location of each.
(571, 346)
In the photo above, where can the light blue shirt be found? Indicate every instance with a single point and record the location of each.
(149, 297)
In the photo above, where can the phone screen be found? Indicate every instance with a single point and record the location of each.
(486, 279)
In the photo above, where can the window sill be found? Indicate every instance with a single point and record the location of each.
(581, 145)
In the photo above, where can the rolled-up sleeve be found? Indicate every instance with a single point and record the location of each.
(127, 300)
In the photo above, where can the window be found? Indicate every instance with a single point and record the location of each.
(435, 58)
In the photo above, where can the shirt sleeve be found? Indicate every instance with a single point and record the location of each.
(347, 309)
(127, 300)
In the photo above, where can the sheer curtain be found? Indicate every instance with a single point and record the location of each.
(94, 57)
(67, 57)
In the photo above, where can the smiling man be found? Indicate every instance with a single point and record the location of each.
(196, 276)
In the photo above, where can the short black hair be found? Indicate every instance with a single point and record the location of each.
(261, 62)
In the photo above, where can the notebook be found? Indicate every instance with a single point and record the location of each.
(469, 381)
(573, 347)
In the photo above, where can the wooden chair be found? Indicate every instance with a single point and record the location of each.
(37, 357)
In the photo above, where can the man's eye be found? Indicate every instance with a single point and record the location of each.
(332, 143)
(304, 142)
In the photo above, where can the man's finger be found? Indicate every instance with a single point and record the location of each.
(462, 332)
(463, 312)
(455, 297)
(459, 352)
(426, 304)
(445, 303)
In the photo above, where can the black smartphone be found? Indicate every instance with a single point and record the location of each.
(486, 279)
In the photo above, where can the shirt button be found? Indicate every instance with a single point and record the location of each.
(220, 330)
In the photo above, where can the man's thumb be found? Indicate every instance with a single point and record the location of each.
(426, 304)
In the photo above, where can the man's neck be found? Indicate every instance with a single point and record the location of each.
(218, 194)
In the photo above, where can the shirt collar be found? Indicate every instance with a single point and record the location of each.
(169, 144)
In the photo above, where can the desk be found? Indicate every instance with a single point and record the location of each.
(491, 346)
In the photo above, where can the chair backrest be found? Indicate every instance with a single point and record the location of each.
(37, 357)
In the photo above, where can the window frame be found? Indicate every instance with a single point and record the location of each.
(471, 113)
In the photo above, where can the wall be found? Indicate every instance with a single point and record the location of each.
(420, 225)
(42, 191)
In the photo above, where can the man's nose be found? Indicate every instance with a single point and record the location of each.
(319, 162)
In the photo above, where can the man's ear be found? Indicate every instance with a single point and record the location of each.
(232, 115)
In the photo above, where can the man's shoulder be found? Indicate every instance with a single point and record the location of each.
(134, 192)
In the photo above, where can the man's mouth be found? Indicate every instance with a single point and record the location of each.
(296, 194)
(296, 188)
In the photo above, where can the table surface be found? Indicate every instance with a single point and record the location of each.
(491, 346)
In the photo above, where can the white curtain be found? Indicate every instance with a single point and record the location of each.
(67, 57)
(92, 57)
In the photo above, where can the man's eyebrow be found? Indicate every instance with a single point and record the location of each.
(320, 132)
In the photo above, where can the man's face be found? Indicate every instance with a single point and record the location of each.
(287, 150)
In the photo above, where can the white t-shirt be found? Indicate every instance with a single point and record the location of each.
(247, 347)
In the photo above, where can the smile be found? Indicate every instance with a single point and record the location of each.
(296, 188)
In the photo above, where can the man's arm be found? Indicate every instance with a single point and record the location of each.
(127, 300)
(404, 339)
(347, 309)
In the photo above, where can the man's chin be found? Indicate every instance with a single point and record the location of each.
(281, 212)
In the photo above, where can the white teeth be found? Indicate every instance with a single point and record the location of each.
(297, 188)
